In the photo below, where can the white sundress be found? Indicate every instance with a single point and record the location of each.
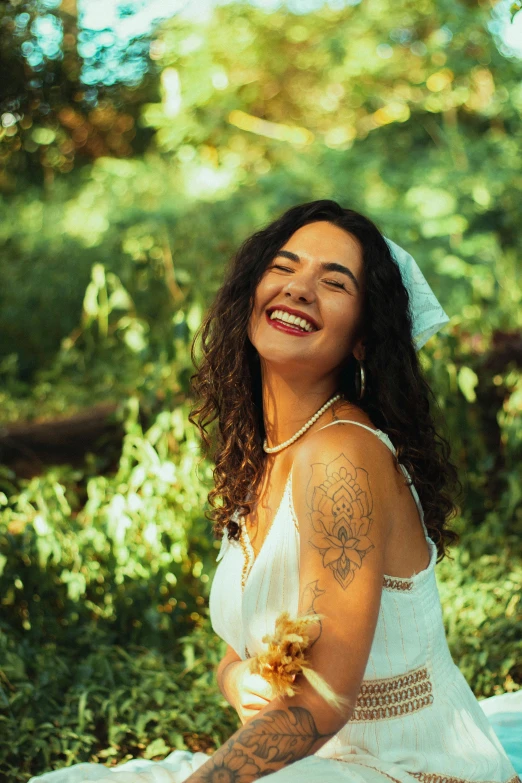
(415, 719)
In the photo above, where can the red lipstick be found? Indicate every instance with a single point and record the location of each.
(288, 328)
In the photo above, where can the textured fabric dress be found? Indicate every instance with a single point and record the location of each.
(415, 719)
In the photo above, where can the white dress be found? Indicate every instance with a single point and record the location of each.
(415, 719)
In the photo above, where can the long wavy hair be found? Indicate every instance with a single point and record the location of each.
(227, 382)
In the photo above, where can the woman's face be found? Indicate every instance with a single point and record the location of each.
(318, 276)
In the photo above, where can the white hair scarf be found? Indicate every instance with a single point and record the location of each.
(426, 311)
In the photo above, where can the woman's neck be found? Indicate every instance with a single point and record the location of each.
(289, 403)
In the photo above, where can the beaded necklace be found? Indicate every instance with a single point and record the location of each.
(304, 428)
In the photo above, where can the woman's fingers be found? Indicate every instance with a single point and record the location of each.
(259, 686)
(254, 704)
(247, 714)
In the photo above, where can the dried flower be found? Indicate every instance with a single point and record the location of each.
(286, 657)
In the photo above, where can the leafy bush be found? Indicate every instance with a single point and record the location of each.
(105, 648)
(99, 701)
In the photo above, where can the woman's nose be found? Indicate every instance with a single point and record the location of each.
(300, 287)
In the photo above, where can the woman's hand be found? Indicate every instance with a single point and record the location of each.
(246, 692)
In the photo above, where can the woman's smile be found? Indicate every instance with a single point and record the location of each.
(290, 320)
(289, 328)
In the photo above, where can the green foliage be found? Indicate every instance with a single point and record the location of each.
(107, 702)
(481, 594)
(106, 546)
(51, 120)
(105, 648)
(515, 8)
(409, 114)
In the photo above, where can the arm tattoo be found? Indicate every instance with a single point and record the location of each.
(230, 764)
(279, 737)
(310, 594)
(340, 502)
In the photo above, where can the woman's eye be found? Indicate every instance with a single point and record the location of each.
(337, 284)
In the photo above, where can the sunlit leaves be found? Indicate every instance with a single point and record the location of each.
(111, 702)
(467, 380)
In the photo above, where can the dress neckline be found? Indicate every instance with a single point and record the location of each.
(250, 556)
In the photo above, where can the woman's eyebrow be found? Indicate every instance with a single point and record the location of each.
(328, 266)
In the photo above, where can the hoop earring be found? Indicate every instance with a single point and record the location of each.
(360, 379)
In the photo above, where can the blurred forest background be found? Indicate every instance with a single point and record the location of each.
(140, 144)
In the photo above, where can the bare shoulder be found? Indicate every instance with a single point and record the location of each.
(354, 451)
(342, 507)
(347, 434)
(342, 499)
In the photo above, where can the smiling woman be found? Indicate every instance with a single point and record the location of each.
(335, 491)
(333, 268)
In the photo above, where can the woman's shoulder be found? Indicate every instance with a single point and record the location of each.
(344, 476)
(346, 450)
(349, 437)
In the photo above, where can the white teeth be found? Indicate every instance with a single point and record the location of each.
(282, 315)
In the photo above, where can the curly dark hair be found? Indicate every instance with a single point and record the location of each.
(227, 382)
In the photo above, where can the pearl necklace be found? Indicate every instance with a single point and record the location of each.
(272, 449)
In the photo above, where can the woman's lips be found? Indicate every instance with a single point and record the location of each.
(287, 327)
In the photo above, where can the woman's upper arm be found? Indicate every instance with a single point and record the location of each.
(339, 496)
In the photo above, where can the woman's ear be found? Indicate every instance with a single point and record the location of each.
(359, 349)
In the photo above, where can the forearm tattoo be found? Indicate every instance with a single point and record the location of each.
(340, 502)
(279, 737)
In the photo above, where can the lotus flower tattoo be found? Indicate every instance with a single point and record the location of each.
(341, 505)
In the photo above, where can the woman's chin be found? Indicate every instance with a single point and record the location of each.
(287, 362)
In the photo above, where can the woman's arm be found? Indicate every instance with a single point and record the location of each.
(340, 491)
(229, 657)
